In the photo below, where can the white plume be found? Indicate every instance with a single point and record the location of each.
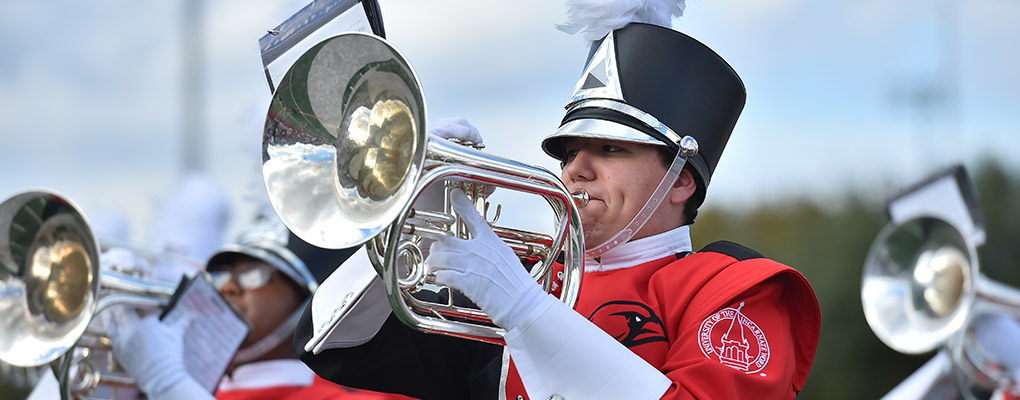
(191, 218)
(596, 18)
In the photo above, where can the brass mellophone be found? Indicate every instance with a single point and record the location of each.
(346, 158)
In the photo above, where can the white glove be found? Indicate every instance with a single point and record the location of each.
(545, 337)
(456, 128)
(123, 260)
(453, 128)
(151, 351)
(485, 269)
(997, 335)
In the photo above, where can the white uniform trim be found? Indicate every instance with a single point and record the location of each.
(640, 251)
(349, 307)
(266, 374)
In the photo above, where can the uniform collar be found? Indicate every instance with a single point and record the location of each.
(265, 374)
(642, 250)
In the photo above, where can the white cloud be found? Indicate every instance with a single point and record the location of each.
(90, 95)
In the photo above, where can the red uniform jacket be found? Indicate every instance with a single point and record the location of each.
(320, 389)
(722, 323)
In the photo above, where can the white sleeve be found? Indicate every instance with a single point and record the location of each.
(183, 389)
(920, 383)
(559, 352)
(997, 335)
(350, 306)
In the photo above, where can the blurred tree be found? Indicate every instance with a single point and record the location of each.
(829, 244)
(999, 193)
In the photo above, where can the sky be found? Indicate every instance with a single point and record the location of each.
(843, 97)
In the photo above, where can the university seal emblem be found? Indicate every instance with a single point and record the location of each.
(730, 337)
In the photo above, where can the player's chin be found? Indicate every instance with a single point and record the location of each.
(592, 235)
(588, 218)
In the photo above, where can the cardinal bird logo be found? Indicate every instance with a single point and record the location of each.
(630, 322)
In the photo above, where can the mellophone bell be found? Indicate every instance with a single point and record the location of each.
(346, 156)
(51, 287)
(922, 289)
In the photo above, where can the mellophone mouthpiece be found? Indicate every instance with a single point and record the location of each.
(580, 198)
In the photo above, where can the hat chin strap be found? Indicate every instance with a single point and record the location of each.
(282, 332)
(646, 212)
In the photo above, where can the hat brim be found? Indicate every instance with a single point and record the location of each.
(590, 128)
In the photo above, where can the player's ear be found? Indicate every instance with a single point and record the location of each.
(683, 188)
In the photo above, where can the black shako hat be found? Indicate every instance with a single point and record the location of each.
(653, 85)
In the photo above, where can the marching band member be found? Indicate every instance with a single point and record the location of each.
(268, 277)
(654, 318)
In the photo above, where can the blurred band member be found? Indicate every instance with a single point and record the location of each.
(267, 277)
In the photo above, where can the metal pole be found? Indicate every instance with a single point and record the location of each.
(192, 99)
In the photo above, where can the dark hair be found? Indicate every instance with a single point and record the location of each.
(666, 156)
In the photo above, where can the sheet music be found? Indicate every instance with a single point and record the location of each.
(278, 54)
(941, 197)
(214, 330)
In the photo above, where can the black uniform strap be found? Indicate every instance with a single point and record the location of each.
(731, 249)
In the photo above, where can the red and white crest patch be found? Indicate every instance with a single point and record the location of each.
(730, 337)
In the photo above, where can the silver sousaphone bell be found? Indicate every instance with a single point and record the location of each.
(49, 262)
(346, 157)
(921, 289)
(51, 286)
